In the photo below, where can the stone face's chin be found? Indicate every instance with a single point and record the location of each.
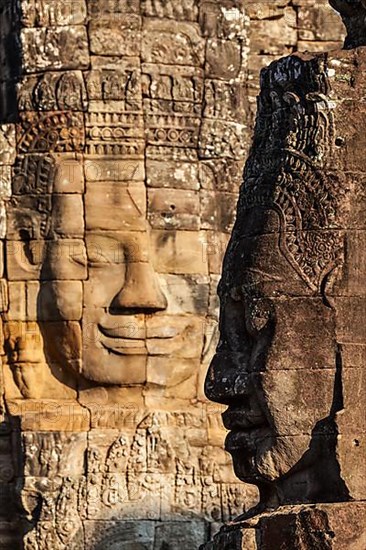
(107, 367)
(261, 457)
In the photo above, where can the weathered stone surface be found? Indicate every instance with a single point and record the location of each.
(115, 36)
(67, 216)
(7, 144)
(40, 13)
(60, 301)
(121, 206)
(114, 170)
(118, 182)
(174, 209)
(173, 43)
(179, 251)
(44, 48)
(176, 175)
(53, 91)
(69, 176)
(46, 260)
(292, 309)
(298, 527)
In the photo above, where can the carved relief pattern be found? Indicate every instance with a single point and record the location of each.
(145, 471)
(288, 174)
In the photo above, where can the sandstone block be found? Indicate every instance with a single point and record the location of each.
(186, 293)
(67, 215)
(169, 335)
(275, 39)
(101, 170)
(54, 453)
(223, 59)
(120, 206)
(49, 415)
(179, 252)
(217, 210)
(349, 313)
(46, 260)
(286, 394)
(164, 372)
(219, 139)
(175, 43)
(55, 48)
(69, 175)
(175, 175)
(43, 14)
(60, 301)
(173, 209)
(7, 144)
(318, 23)
(191, 533)
(115, 35)
(122, 533)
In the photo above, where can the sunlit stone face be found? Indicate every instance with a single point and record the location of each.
(128, 158)
(118, 303)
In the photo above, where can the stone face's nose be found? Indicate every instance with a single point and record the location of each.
(141, 290)
(227, 379)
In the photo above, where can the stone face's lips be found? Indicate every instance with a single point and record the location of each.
(124, 340)
(245, 427)
(124, 347)
(128, 331)
(242, 420)
(245, 439)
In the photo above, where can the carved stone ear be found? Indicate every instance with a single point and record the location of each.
(353, 13)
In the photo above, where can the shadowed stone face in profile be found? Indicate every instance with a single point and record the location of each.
(291, 358)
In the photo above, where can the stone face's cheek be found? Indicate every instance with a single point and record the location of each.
(60, 301)
(98, 292)
(307, 327)
(276, 456)
(296, 400)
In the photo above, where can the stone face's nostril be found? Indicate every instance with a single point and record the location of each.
(141, 290)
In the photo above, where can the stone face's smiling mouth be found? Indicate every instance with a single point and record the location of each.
(129, 339)
(129, 331)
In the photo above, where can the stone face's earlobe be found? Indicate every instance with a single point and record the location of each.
(353, 13)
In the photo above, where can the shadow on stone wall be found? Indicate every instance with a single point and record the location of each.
(10, 59)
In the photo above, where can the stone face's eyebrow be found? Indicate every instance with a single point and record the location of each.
(268, 276)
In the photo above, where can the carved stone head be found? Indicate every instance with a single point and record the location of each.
(290, 364)
(127, 166)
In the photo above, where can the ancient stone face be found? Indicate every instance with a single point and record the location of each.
(109, 227)
(292, 289)
(119, 175)
(118, 181)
